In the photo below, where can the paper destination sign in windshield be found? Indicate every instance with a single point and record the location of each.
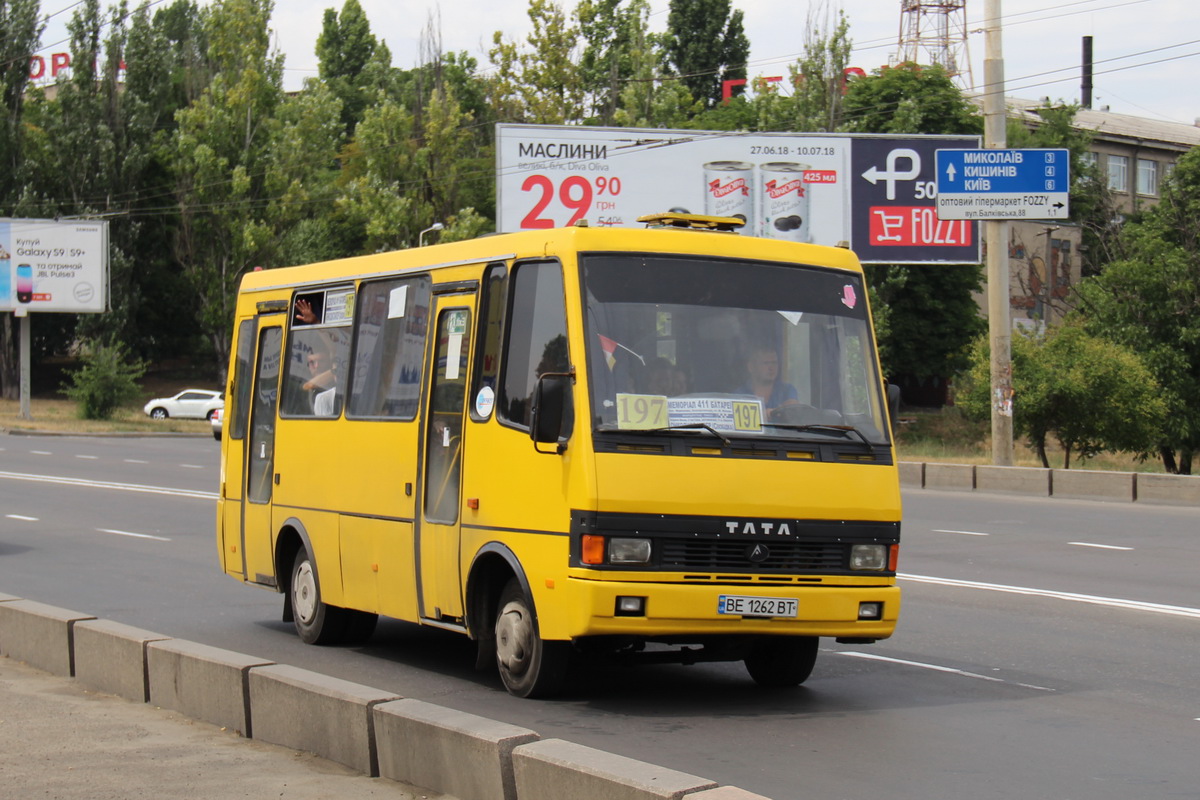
(649, 411)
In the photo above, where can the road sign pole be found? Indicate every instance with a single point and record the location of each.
(999, 326)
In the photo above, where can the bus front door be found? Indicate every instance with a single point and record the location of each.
(439, 534)
(257, 536)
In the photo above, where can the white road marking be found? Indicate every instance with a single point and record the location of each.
(192, 466)
(938, 668)
(135, 461)
(21, 517)
(1100, 546)
(41, 452)
(964, 533)
(124, 487)
(89, 458)
(1112, 602)
(135, 535)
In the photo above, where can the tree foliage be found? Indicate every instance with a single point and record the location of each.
(1150, 301)
(706, 45)
(1091, 395)
(106, 380)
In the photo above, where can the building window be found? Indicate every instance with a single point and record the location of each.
(1147, 177)
(1118, 173)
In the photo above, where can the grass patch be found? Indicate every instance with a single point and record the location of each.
(947, 436)
(52, 412)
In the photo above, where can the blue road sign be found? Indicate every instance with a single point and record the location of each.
(1003, 184)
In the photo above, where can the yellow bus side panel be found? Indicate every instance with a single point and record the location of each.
(377, 572)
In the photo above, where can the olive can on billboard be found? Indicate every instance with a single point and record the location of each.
(784, 201)
(729, 191)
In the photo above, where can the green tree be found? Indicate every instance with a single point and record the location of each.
(20, 34)
(909, 98)
(107, 380)
(1092, 395)
(817, 80)
(218, 155)
(345, 48)
(614, 34)
(542, 82)
(648, 100)
(706, 45)
(1150, 301)
(925, 315)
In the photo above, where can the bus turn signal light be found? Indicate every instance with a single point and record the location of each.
(593, 549)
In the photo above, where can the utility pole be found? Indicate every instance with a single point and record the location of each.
(999, 326)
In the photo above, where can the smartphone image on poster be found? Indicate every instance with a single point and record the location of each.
(24, 283)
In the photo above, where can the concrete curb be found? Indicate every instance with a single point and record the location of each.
(1126, 487)
(375, 732)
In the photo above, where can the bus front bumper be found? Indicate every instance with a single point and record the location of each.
(601, 608)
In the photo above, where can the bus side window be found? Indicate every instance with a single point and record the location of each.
(489, 334)
(389, 348)
(236, 423)
(537, 338)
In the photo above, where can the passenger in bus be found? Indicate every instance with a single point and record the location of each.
(665, 378)
(762, 372)
(323, 383)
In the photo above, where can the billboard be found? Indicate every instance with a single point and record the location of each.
(877, 193)
(53, 266)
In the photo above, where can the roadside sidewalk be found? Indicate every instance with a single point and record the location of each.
(64, 741)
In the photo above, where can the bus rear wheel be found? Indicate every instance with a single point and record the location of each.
(529, 665)
(780, 662)
(317, 622)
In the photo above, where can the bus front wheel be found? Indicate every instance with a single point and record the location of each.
(780, 662)
(529, 665)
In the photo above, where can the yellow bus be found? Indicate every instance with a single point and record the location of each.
(668, 443)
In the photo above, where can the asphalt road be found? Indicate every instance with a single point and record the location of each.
(1046, 648)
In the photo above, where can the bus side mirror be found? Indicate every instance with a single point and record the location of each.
(549, 415)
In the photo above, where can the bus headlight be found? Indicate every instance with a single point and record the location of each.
(628, 551)
(869, 557)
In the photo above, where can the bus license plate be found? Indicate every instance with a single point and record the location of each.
(758, 606)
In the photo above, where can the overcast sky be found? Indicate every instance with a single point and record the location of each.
(1146, 51)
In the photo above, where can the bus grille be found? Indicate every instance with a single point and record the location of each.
(708, 554)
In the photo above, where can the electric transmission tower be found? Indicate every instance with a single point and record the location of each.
(935, 32)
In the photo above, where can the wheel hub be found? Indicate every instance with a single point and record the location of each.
(304, 593)
(513, 636)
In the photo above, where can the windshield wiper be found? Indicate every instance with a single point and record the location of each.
(845, 430)
(690, 426)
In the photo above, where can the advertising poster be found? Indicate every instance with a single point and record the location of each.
(53, 266)
(798, 187)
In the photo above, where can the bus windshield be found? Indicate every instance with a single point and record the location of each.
(737, 348)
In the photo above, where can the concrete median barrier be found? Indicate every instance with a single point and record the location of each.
(912, 473)
(1093, 484)
(551, 769)
(202, 682)
(452, 752)
(39, 635)
(950, 476)
(1176, 489)
(309, 711)
(1018, 480)
(111, 657)
(726, 793)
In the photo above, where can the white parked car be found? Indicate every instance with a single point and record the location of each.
(188, 404)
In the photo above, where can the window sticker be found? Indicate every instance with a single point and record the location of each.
(397, 302)
(454, 348)
(485, 401)
(792, 316)
(849, 298)
(339, 306)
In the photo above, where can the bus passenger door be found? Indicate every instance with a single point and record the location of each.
(438, 539)
(257, 536)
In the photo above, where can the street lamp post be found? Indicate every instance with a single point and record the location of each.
(437, 226)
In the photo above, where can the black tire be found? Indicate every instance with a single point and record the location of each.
(529, 665)
(316, 622)
(359, 626)
(780, 662)
(159, 413)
